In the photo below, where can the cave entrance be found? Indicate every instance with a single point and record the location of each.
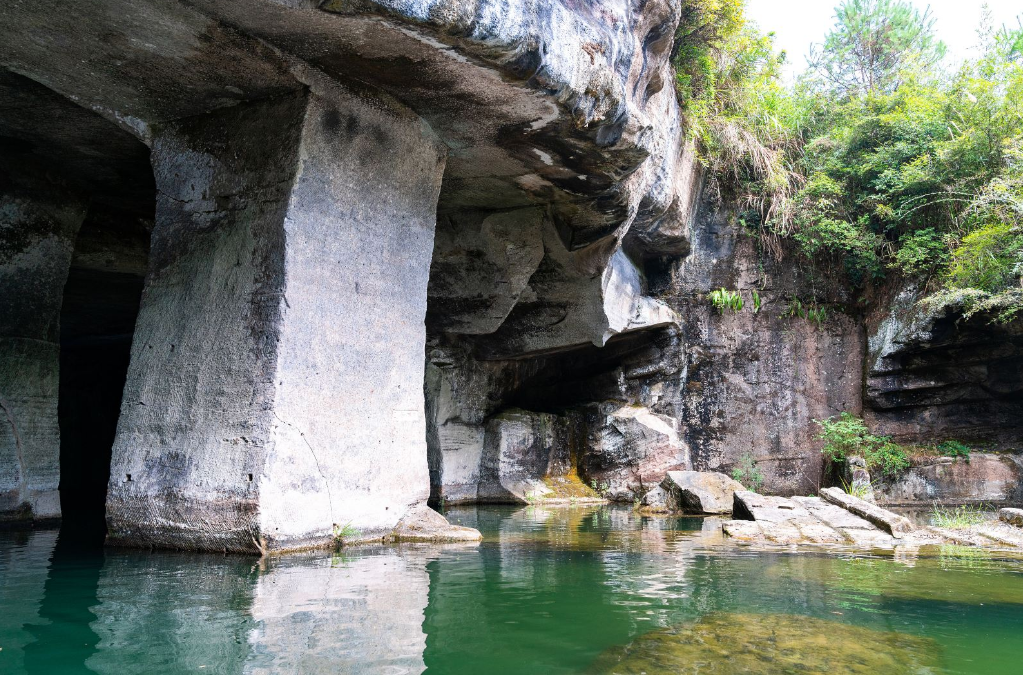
(63, 162)
(97, 321)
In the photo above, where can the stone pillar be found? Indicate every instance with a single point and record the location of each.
(276, 382)
(37, 236)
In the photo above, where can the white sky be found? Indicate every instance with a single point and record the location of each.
(799, 23)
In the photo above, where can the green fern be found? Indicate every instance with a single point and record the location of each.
(723, 299)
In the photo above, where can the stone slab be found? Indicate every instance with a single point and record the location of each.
(891, 523)
(762, 508)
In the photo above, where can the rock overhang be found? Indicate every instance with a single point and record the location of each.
(538, 103)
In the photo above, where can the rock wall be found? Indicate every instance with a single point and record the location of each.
(37, 234)
(984, 478)
(302, 155)
(933, 375)
(753, 381)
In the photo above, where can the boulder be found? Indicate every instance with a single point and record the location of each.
(423, 524)
(629, 447)
(891, 523)
(1011, 516)
(700, 491)
(655, 501)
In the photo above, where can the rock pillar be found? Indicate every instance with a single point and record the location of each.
(275, 391)
(37, 235)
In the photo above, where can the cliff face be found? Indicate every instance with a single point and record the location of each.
(324, 193)
(934, 375)
(297, 166)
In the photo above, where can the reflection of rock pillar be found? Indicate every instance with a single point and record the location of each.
(367, 617)
(24, 570)
(37, 235)
(276, 381)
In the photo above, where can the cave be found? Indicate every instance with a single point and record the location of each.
(82, 195)
(97, 320)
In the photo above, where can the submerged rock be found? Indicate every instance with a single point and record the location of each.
(771, 643)
(700, 491)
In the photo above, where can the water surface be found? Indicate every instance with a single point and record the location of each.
(592, 590)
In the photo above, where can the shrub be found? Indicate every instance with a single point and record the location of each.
(920, 252)
(953, 449)
(882, 453)
(843, 436)
(748, 473)
(989, 259)
(847, 435)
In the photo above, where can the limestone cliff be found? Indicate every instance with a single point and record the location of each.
(360, 252)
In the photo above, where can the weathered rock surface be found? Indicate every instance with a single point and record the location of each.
(655, 501)
(983, 478)
(520, 450)
(629, 449)
(342, 189)
(37, 233)
(933, 376)
(777, 520)
(234, 305)
(837, 519)
(753, 382)
(700, 491)
(1011, 516)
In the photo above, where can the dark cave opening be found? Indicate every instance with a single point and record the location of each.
(101, 302)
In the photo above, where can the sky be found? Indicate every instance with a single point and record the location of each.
(799, 23)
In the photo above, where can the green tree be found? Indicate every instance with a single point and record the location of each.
(873, 43)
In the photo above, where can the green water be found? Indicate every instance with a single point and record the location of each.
(583, 590)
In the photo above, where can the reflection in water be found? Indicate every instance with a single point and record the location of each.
(24, 561)
(554, 591)
(65, 611)
(173, 612)
(341, 615)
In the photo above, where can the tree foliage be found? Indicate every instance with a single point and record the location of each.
(872, 45)
(880, 159)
